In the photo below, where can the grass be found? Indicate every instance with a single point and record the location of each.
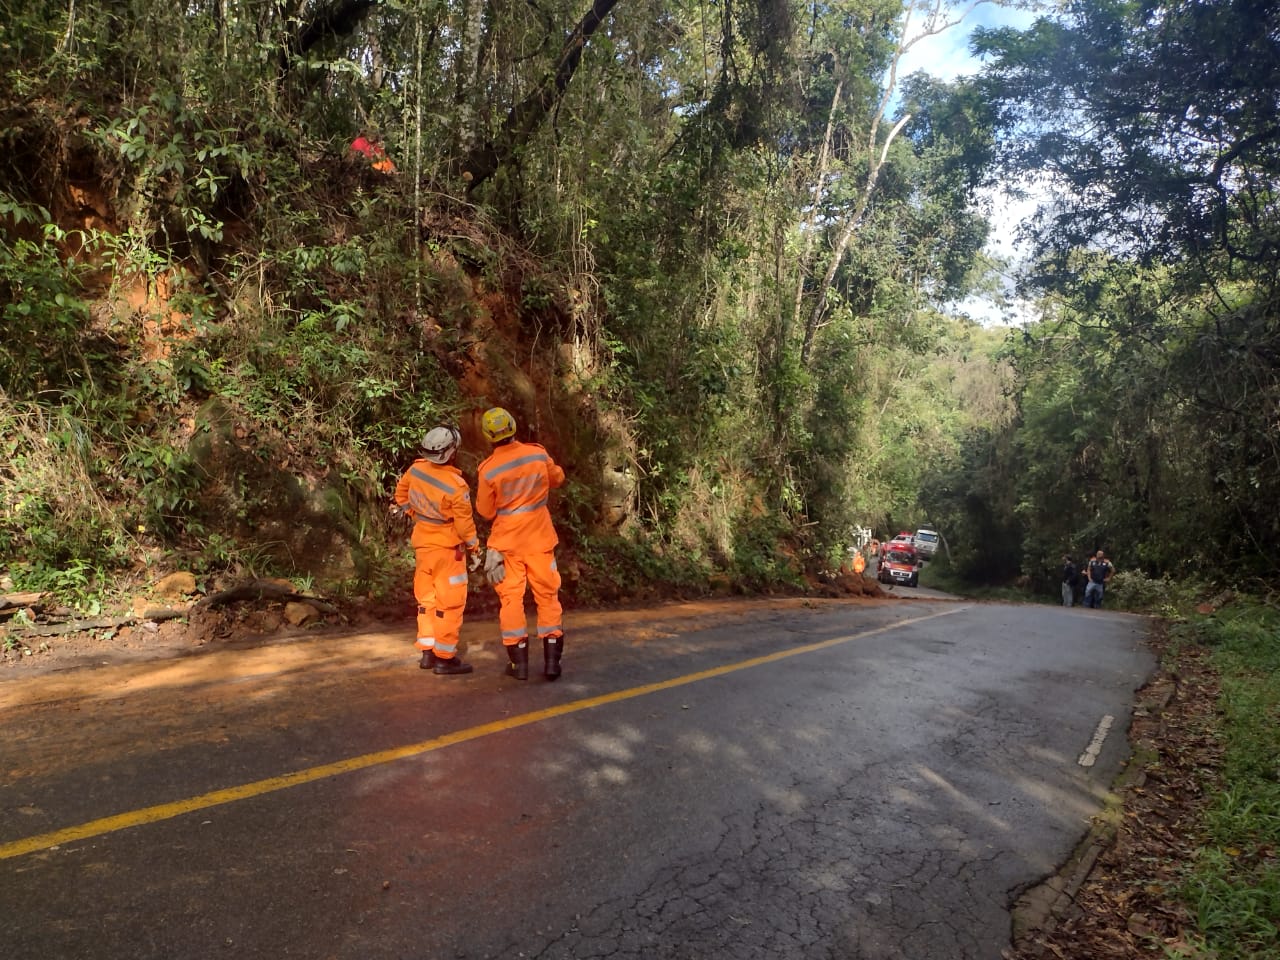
(1233, 885)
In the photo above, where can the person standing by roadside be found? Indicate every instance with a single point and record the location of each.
(434, 495)
(1099, 571)
(512, 487)
(1070, 577)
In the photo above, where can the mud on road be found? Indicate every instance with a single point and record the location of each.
(203, 629)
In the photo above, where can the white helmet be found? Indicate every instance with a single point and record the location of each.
(440, 444)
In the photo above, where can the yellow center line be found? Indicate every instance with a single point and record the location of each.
(167, 811)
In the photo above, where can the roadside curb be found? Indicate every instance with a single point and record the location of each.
(1042, 907)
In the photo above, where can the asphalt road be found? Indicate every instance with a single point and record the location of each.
(786, 779)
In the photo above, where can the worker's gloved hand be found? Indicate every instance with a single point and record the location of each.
(495, 566)
(474, 559)
(400, 511)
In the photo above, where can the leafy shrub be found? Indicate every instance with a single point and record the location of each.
(57, 530)
(1134, 590)
(614, 567)
(42, 312)
(764, 554)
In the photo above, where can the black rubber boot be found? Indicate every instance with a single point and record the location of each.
(518, 655)
(451, 667)
(428, 660)
(552, 648)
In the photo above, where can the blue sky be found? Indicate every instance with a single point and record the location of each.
(946, 55)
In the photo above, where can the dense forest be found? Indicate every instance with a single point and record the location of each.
(708, 254)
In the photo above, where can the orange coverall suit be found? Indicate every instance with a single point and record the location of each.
(512, 490)
(443, 533)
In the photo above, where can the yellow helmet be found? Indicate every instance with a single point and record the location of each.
(497, 424)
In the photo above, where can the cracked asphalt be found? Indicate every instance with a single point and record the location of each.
(754, 779)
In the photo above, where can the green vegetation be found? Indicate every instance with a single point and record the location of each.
(1233, 885)
(716, 286)
(708, 255)
(1146, 390)
(712, 285)
(940, 575)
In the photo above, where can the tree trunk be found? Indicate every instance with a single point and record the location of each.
(338, 19)
(525, 117)
(936, 21)
(819, 178)
(467, 65)
(850, 228)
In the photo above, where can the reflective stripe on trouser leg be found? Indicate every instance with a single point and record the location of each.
(448, 574)
(426, 643)
(511, 616)
(544, 579)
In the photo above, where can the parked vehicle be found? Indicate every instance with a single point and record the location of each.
(926, 542)
(899, 540)
(900, 564)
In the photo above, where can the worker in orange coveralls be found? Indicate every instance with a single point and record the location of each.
(435, 496)
(374, 153)
(511, 490)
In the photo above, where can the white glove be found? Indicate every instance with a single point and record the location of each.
(495, 566)
(473, 561)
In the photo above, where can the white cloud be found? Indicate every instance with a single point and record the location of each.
(946, 55)
(1008, 211)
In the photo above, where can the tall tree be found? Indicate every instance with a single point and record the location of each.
(484, 160)
(868, 153)
(1157, 122)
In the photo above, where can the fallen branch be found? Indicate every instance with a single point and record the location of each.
(261, 590)
(101, 623)
(20, 600)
